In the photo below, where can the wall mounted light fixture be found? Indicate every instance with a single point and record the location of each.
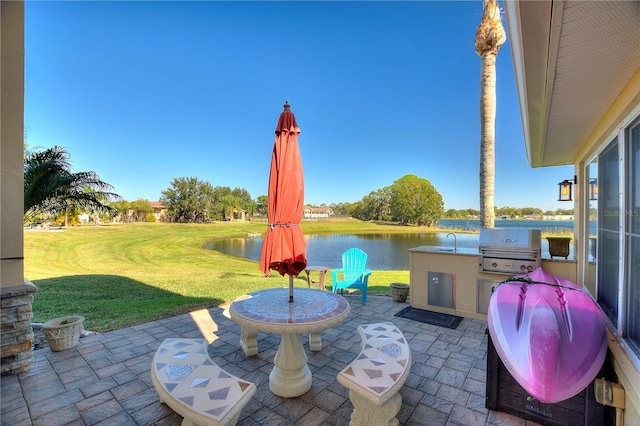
(593, 189)
(565, 189)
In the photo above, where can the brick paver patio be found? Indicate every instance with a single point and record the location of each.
(106, 379)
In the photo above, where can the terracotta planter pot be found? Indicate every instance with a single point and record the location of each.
(399, 292)
(63, 333)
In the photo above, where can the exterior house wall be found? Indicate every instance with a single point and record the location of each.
(625, 365)
(239, 215)
(12, 148)
(160, 213)
(159, 210)
(16, 293)
(540, 43)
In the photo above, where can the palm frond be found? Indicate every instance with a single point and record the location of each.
(50, 187)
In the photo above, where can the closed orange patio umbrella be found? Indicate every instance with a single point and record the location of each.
(284, 247)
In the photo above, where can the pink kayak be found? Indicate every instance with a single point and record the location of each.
(549, 333)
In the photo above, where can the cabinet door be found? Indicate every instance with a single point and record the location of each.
(484, 290)
(441, 289)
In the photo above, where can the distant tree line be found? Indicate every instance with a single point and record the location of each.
(339, 209)
(566, 212)
(190, 199)
(139, 210)
(53, 193)
(375, 206)
(507, 212)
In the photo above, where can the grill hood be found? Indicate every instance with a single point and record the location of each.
(510, 240)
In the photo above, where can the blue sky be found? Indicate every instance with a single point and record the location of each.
(144, 92)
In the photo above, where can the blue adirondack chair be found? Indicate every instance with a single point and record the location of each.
(353, 273)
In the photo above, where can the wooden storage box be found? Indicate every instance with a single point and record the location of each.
(503, 393)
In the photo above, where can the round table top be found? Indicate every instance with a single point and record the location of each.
(270, 311)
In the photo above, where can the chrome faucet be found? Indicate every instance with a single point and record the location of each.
(455, 241)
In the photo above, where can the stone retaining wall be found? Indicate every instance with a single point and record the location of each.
(16, 332)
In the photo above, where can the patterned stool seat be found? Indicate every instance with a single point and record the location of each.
(375, 377)
(195, 387)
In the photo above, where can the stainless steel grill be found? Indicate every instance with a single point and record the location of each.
(509, 250)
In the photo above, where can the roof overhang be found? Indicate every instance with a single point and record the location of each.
(574, 62)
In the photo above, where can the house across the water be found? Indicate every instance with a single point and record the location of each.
(317, 212)
(159, 210)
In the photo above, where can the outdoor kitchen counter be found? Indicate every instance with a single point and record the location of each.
(464, 289)
(469, 251)
(466, 251)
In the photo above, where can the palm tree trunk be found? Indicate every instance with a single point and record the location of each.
(487, 140)
(489, 37)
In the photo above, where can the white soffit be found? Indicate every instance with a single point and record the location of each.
(572, 60)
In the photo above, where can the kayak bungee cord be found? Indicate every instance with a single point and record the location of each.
(530, 281)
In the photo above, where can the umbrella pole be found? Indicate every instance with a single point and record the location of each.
(290, 288)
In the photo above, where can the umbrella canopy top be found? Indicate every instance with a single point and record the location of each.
(286, 120)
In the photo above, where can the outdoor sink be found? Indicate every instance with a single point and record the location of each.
(446, 249)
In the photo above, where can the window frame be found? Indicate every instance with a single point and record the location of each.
(630, 237)
(619, 328)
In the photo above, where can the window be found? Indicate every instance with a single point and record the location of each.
(591, 226)
(618, 236)
(632, 234)
(608, 230)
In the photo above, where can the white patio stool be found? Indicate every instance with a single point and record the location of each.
(195, 387)
(375, 377)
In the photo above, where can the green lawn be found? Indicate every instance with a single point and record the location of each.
(121, 275)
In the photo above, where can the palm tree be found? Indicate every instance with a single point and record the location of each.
(489, 37)
(51, 189)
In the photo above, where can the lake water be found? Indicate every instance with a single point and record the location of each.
(387, 251)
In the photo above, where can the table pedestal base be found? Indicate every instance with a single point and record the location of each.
(315, 341)
(290, 376)
(249, 341)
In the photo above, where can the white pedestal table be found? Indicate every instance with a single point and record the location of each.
(269, 311)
